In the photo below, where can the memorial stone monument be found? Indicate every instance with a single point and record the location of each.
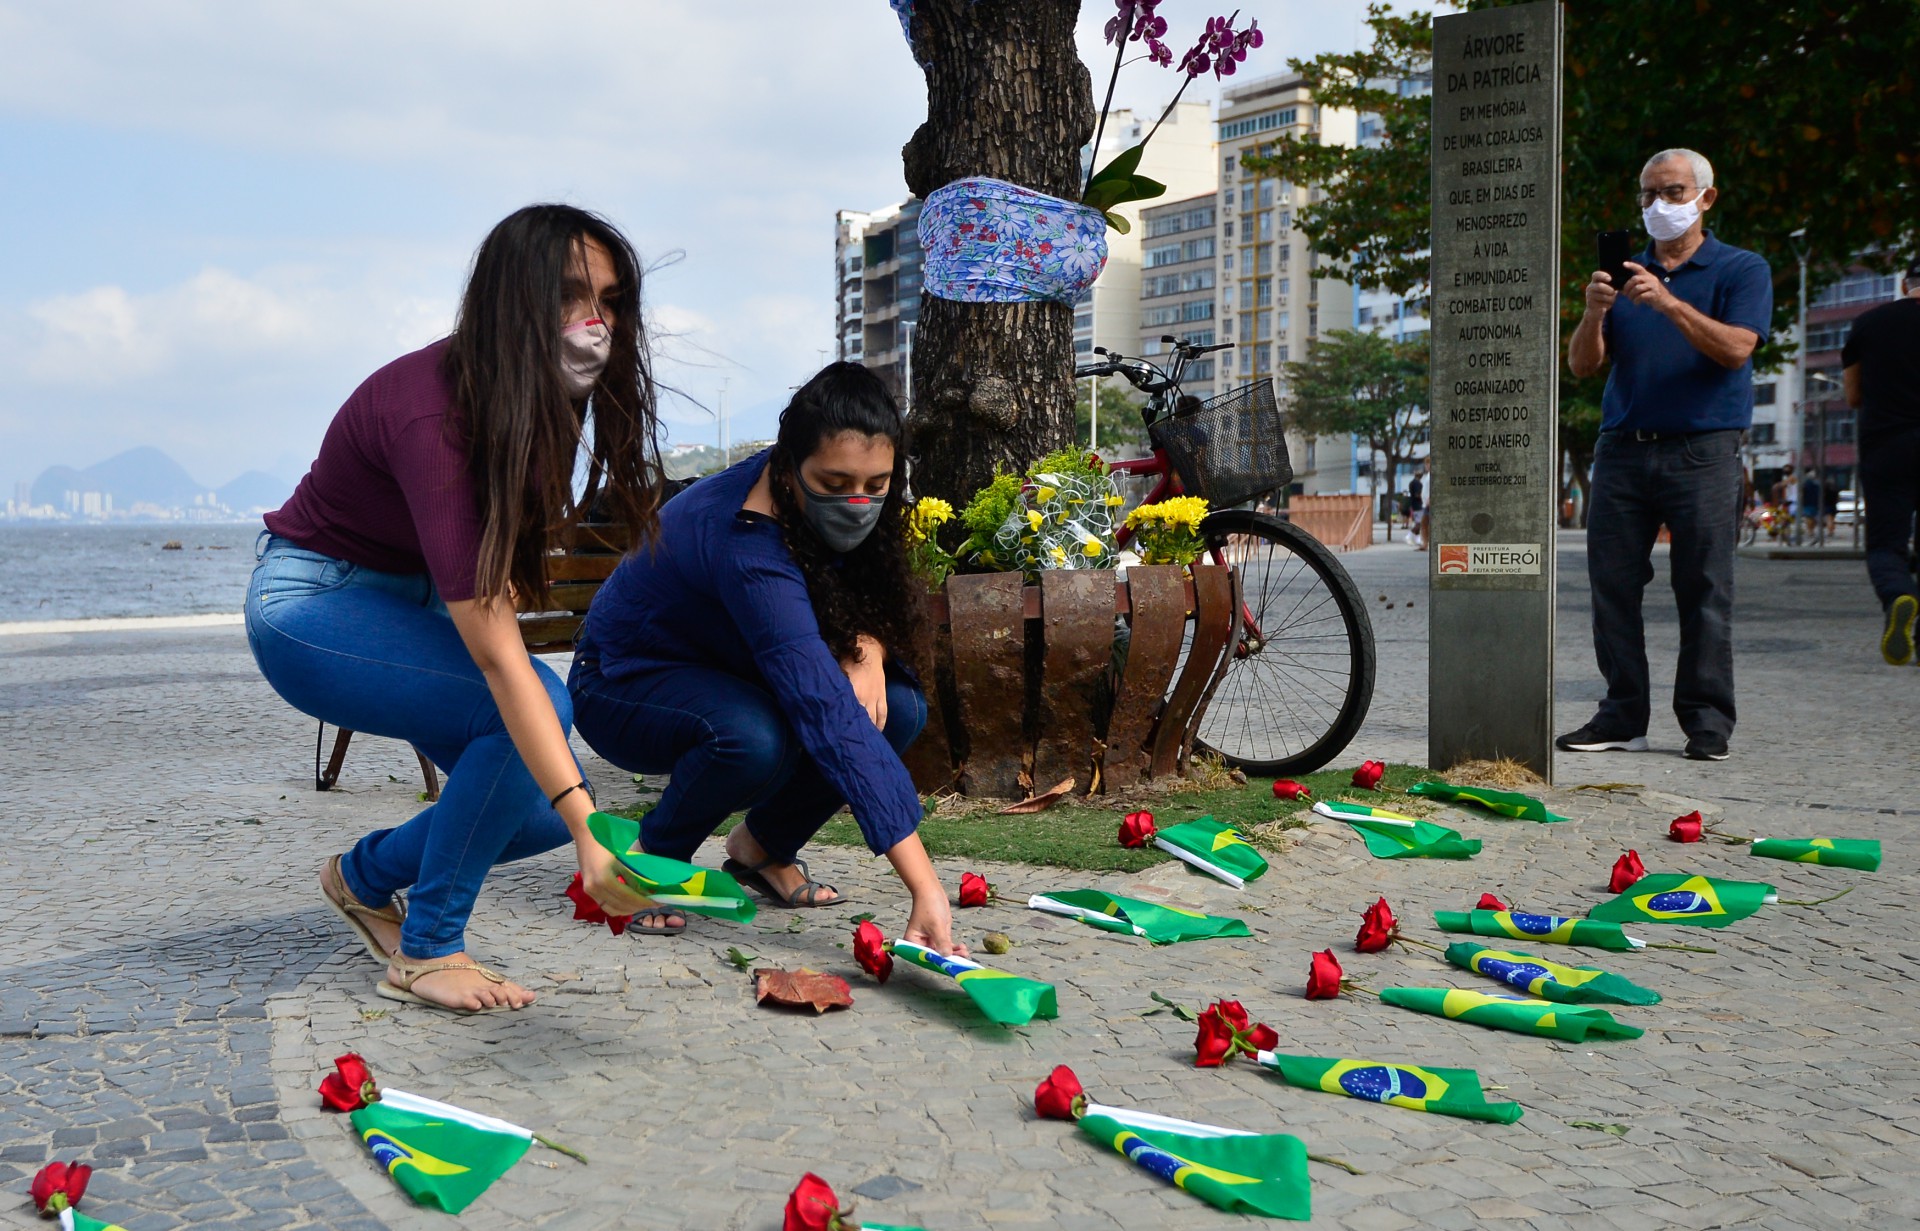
(1495, 407)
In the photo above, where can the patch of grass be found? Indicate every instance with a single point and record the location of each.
(1081, 834)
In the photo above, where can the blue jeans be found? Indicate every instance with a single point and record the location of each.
(1692, 485)
(1890, 481)
(377, 652)
(726, 744)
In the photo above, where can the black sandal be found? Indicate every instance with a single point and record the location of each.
(805, 894)
(661, 913)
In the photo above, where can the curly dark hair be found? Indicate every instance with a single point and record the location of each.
(871, 589)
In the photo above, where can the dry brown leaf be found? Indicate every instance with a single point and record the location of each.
(1043, 801)
(802, 988)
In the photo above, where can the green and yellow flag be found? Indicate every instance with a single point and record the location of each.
(1447, 1092)
(73, 1220)
(1389, 835)
(1004, 998)
(1547, 929)
(1677, 897)
(669, 882)
(1571, 1022)
(1215, 849)
(1506, 803)
(1828, 852)
(1163, 925)
(1549, 980)
(441, 1155)
(1240, 1172)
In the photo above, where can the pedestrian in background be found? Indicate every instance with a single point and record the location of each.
(1882, 379)
(1680, 335)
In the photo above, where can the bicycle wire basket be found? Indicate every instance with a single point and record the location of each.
(1230, 448)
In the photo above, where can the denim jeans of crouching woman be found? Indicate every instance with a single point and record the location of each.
(378, 653)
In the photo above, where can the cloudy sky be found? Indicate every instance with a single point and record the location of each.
(217, 217)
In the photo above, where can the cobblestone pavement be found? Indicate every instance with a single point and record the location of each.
(171, 988)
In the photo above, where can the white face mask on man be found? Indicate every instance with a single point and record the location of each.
(584, 349)
(1667, 221)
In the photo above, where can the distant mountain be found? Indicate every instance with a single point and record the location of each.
(138, 476)
(255, 492)
(147, 476)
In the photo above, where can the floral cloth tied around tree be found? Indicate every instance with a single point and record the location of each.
(988, 241)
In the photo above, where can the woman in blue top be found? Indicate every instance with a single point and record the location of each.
(755, 654)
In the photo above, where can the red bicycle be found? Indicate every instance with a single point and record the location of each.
(1301, 679)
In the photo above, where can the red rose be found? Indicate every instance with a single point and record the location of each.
(1137, 829)
(1214, 1043)
(1489, 902)
(1626, 870)
(59, 1186)
(1323, 977)
(1287, 788)
(813, 1207)
(870, 950)
(974, 889)
(1377, 928)
(1686, 828)
(1368, 776)
(1263, 1037)
(350, 1086)
(1234, 1012)
(584, 907)
(1060, 1096)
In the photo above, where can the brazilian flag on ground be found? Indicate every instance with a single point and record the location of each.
(1571, 1022)
(1449, 1092)
(1549, 980)
(1828, 852)
(1004, 998)
(1676, 897)
(1506, 803)
(1389, 835)
(668, 882)
(1547, 929)
(73, 1220)
(1163, 925)
(1215, 849)
(1240, 1172)
(442, 1155)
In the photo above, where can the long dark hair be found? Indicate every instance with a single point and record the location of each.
(870, 589)
(516, 419)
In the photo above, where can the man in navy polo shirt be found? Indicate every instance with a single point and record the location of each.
(1681, 335)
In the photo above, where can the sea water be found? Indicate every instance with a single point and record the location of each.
(76, 572)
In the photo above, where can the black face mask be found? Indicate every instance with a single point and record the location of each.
(842, 522)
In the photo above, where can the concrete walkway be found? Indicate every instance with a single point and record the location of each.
(171, 989)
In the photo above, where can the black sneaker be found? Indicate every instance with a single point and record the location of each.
(1706, 748)
(1896, 644)
(1591, 739)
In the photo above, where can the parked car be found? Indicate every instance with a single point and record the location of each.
(1846, 509)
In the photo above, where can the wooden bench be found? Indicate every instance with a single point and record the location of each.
(580, 558)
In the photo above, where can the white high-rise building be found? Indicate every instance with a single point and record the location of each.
(1179, 156)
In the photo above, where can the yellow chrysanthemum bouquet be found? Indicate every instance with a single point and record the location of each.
(930, 560)
(1168, 531)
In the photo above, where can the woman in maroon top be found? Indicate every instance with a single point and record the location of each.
(384, 597)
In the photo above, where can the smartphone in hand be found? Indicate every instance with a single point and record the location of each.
(1615, 249)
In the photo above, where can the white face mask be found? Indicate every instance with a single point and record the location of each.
(584, 348)
(1666, 221)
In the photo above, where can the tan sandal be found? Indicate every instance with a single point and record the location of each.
(411, 972)
(333, 887)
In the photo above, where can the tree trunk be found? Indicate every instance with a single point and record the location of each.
(1007, 97)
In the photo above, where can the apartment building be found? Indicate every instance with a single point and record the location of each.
(877, 269)
(1825, 436)
(1179, 156)
(1275, 298)
(1179, 242)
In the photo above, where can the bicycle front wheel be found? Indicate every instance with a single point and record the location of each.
(1301, 677)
